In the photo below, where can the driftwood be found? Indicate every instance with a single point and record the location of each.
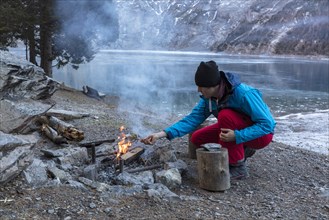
(65, 129)
(213, 168)
(52, 134)
(66, 115)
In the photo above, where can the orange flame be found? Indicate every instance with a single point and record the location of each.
(123, 144)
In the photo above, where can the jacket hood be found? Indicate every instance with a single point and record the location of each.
(232, 78)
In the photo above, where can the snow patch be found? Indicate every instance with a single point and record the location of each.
(305, 130)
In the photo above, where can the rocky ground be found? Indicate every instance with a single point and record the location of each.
(284, 183)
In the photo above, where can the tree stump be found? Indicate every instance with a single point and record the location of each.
(213, 168)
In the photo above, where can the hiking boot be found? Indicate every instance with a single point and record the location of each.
(248, 152)
(238, 171)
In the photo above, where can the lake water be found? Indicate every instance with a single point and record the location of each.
(296, 89)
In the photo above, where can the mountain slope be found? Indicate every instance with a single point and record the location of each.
(299, 27)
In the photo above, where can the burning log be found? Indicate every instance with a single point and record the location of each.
(52, 134)
(132, 155)
(65, 129)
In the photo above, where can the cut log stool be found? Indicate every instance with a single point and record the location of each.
(213, 168)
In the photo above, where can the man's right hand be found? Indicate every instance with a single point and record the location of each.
(151, 139)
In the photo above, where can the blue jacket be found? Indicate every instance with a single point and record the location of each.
(244, 98)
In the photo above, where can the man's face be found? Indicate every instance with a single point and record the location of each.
(209, 92)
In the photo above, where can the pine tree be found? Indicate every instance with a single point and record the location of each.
(58, 30)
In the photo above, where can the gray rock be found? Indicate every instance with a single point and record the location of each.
(60, 174)
(52, 153)
(324, 192)
(131, 179)
(36, 173)
(92, 205)
(8, 141)
(170, 178)
(159, 191)
(21, 79)
(73, 156)
(105, 148)
(14, 114)
(14, 162)
(76, 184)
(168, 156)
(100, 187)
(179, 164)
(108, 210)
(91, 172)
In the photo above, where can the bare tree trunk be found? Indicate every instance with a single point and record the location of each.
(45, 46)
(31, 43)
(45, 37)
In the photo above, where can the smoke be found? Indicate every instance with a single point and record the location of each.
(95, 22)
(147, 83)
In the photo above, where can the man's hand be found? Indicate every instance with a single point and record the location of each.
(227, 135)
(151, 139)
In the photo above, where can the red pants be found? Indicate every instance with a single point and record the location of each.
(228, 118)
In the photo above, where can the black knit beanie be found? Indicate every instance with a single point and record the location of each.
(207, 74)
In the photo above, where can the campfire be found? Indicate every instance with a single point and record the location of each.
(126, 153)
(123, 144)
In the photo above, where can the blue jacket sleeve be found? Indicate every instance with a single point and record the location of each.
(254, 106)
(190, 122)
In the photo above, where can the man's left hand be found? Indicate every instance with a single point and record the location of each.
(227, 135)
